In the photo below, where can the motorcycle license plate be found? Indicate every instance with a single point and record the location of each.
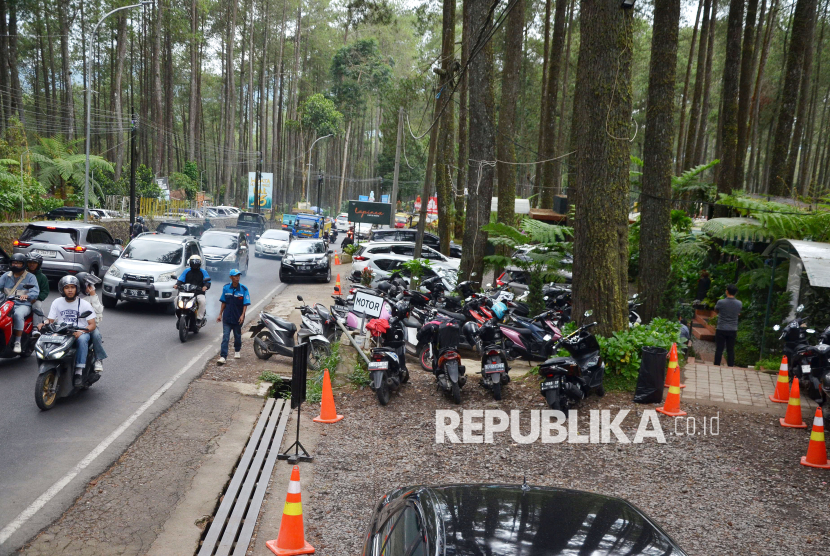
(494, 368)
(378, 365)
(805, 369)
(135, 293)
(52, 338)
(550, 384)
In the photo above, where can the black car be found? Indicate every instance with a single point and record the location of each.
(178, 228)
(224, 250)
(505, 520)
(252, 223)
(306, 258)
(391, 234)
(67, 213)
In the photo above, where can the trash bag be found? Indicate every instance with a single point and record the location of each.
(652, 375)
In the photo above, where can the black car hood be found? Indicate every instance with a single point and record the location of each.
(307, 257)
(502, 520)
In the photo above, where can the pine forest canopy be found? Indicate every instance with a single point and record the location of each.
(221, 85)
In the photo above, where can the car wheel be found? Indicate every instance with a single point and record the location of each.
(256, 255)
(284, 279)
(109, 302)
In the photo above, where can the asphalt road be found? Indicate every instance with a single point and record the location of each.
(83, 434)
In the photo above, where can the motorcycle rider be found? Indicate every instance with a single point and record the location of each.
(69, 309)
(199, 277)
(9, 283)
(34, 262)
(138, 228)
(88, 283)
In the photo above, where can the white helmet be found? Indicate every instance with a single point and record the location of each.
(195, 261)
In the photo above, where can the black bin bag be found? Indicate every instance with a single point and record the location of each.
(652, 375)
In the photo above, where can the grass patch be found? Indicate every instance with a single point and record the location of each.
(770, 363)
(360, 375)
(619, 383)
(314, 380)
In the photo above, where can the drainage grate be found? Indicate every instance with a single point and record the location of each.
(233, 525)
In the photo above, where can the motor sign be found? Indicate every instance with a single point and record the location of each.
(368, 304)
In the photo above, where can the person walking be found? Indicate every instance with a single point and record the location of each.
(235, 300)
(728, 311)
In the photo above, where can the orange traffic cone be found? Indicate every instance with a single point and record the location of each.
(672, 405)
(328, 414)
(817, 450)
(337, 290)
(672, 366)
(793, 418)
(291, 539)
(782, 387)
(336, 258)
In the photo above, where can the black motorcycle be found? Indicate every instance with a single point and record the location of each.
(186, 311)
(443, 339)
(794, 335)
(814, 372)
(568, 380)
(55, 351)
(387, 362)
(319, 320)
(273, 335)
(494, 366)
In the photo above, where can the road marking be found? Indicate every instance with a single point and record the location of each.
(55, 489)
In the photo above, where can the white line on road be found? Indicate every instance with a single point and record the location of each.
(53, 491)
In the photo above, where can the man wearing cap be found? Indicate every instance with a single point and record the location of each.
(235, 300)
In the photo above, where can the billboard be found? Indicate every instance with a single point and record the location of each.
(165, 188)
(266, 189)
(374, 213)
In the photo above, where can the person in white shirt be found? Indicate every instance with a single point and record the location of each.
(68, 309)
(88, 283)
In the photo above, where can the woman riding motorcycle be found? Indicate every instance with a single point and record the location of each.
(12, 283)
(34, 262)
(197, 276)
(88, 283)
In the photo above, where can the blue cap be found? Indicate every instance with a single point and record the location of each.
(235, 272)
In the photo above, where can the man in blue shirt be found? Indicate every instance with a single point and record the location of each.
(24, 284)
(199, 277)
(235, 300)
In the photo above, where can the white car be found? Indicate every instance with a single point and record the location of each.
(383, 266)
(371, 250)
(273, 243)
(225, 210)
(341, 224)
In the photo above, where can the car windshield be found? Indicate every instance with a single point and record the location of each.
(172, 229)
(306, 247)
(247, 218)
(276, 234)
(50, 234)
(222, 241)
(153, 251)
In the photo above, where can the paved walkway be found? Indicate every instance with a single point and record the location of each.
(734, 385)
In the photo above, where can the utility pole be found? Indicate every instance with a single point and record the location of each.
(422, 219)
(394, 197)
(258, 174)
(133, 157)
(319, 190)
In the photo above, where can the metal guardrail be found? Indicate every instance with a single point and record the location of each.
(233, 524)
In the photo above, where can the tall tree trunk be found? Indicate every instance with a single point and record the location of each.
(158, 91)
(681, 128)
(168, 103)
(446, 133)
(803, 103)
(805, 12)
(602, 129)
(120, 55)
(195, 76)
(697, 96)
(5, 105)
(482, 146)
(549, 170)
(17, 91)
(510, 84)
(701, 137)
(655, 220)
(745, 92)
(729, 100)
(463, 128)
(560, 129)
(760, 51)
(230, 101)
(66, 70)
(543, 104)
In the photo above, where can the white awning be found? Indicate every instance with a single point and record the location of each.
(522, 206)
(815, 257)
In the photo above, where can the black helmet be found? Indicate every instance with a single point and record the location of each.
(140, 219)
(33, 257)
(18, 258)
(68, 280)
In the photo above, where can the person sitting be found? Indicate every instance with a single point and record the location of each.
(88, 283)
(24, 284)
(68, 309)
(34, 262)
(199, 277)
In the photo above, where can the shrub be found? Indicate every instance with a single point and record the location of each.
(360, 375)
(351, 249)
(621, 352)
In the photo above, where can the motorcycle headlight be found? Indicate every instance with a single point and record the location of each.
(189, 304)
(593, 361)
(114, 271)
(57, 354)
(167, 277)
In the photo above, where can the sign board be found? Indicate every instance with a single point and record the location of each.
(266, 189)
(368, 304)
(372, 213)
(363, 198)
(418, 204)
(432, 205)
(165, 188)
(384, 198)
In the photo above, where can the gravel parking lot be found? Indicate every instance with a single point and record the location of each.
(741, 491)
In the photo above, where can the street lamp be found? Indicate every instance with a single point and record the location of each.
(22, 196)
(89, 97)
(308, 184)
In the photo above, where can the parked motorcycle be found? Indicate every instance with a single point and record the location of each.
(568, 380)
(446, 362)
(55, 350)
(526, 339)
(318, 319)
(794, 336)
(186, 311)
(387, 365)
(27, 343)
(814, 372)
(494, 366)
(273, 335)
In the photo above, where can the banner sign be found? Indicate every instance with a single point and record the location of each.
(384, 198)
(364, 198)
(266, 188)
(367, 304)
(374, 213)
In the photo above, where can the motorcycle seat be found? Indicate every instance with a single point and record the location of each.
(289, 326)
(559, 362)
(456, 316)
(323, 313)
(517, 329)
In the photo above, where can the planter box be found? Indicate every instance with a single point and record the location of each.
(345, 259)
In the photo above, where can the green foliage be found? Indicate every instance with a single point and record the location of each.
(621, 352)
(680, 221)
(360, 375)
(689, 184)
(191, 170)
(61, 166)
(144, 185)
(178, 181)
(34, 195)
(358, 70)
(549, 244)
(417, 268)
(351, 249)
(776, 221)
(366, 276)
(321, 116)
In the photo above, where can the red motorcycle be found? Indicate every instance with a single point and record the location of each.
(27, 344)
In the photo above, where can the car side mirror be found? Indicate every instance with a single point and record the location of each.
(118, 241)
(331, 251)
(115, 252)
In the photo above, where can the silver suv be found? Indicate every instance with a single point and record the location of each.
(148, 268)
(70, 247)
